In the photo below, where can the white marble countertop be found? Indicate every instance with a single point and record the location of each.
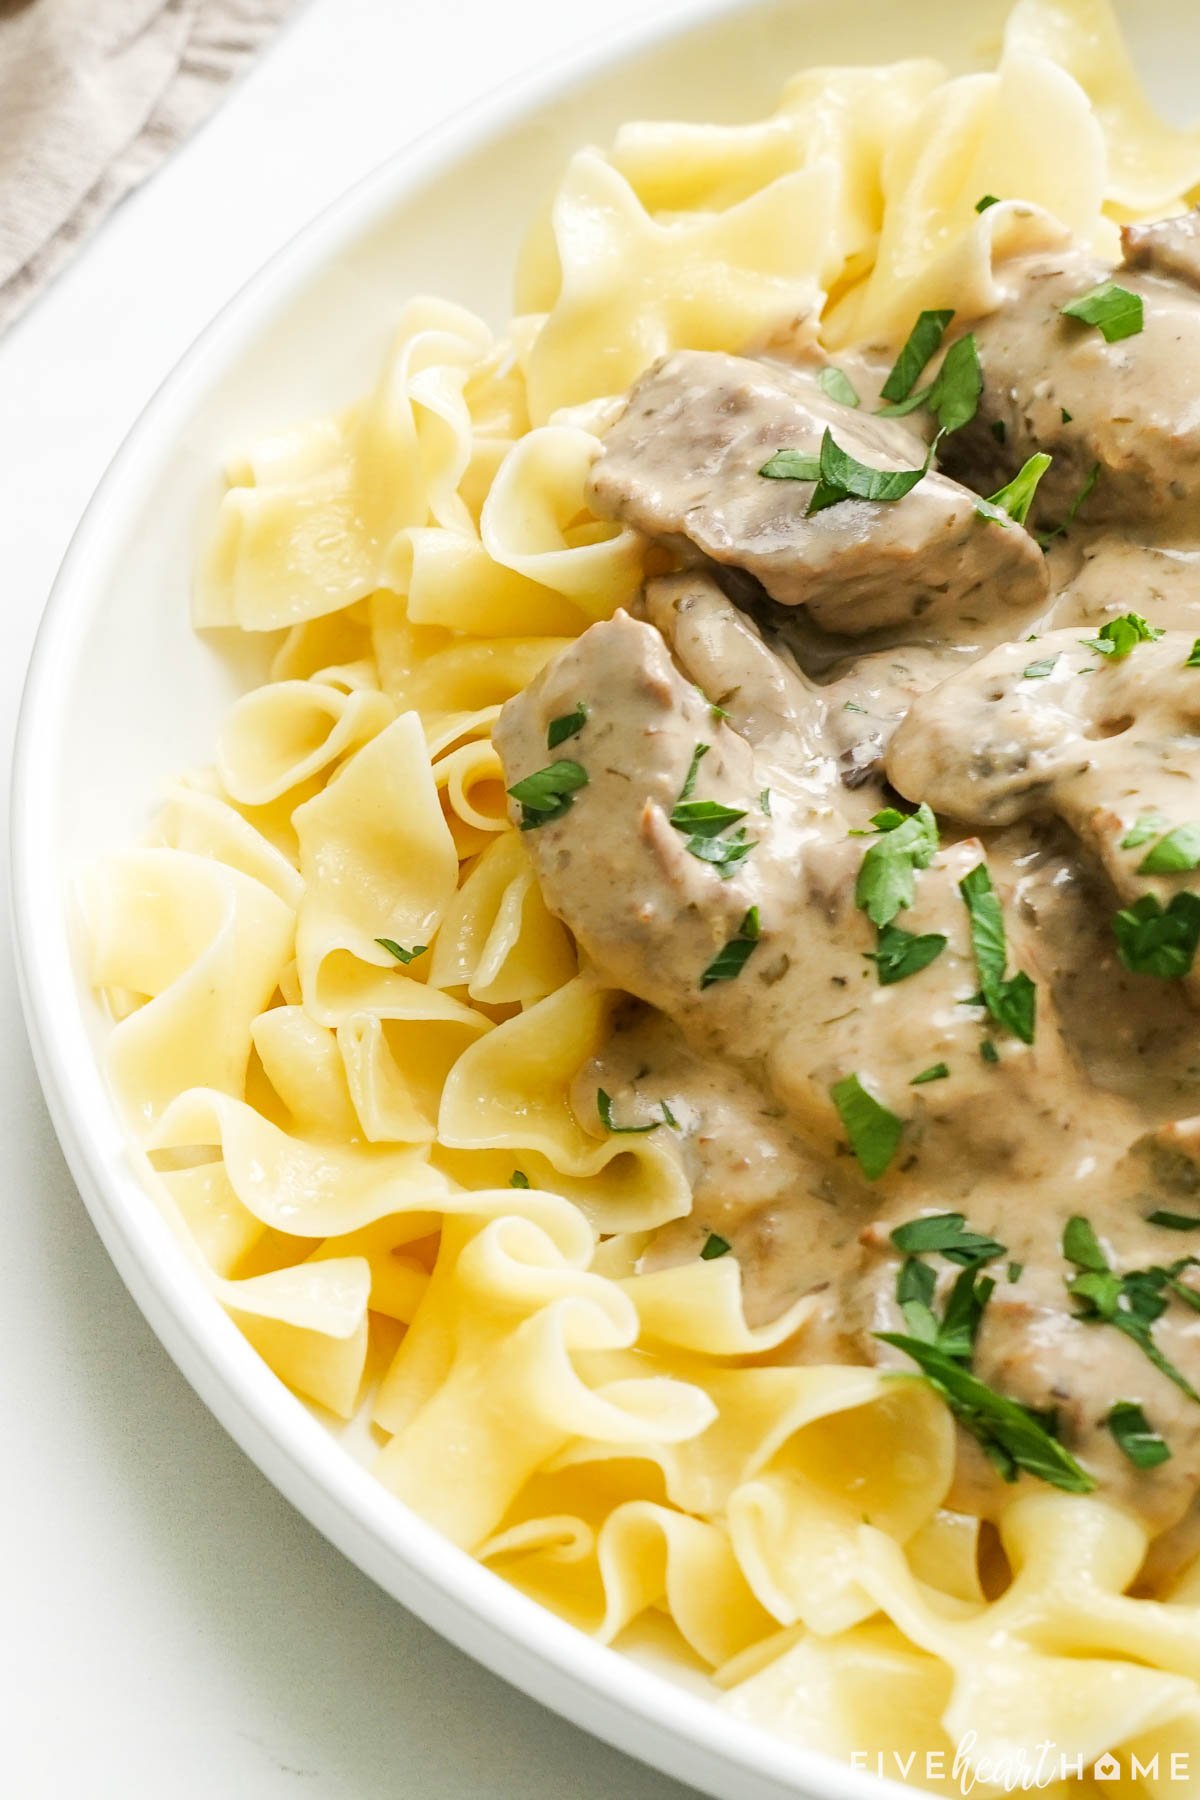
(171, 1629)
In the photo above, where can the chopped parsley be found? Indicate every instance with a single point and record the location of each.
(948, 1235)
(1046, 538)
(1015, 1271)
(873, 1132)
(705, 821)
(1135, 1436)
(988, 1051)
(668, 1116)
(1132, 1303)
(764, 802)
(1011, 1435)
(1000, 431)
(1113, 310)
(838, 386)
(920, 345)
(1120, 636)
(1067, 417)
(1173, 854)
(935, 1072)
(732, 958)
(953, 394)
(567, 726)
(548, 793)
(1011, 1000)
(1193, 661)
(1173, 1221)
(518, 1179)
(714, 1246)
(689, 780)
(1144, 827)
(886, 880)
(398, 950)
(1157, 940)
(1011, 503)
(604, 1108)
(840, 476)
(899, 953)
(1038, 671)
(986, 200)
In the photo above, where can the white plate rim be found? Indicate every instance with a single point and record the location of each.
(596, 1688)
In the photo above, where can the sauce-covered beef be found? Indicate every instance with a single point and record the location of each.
(683, 463)
(1120, 418)
(1165, 247)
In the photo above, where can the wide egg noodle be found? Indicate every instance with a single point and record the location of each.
(340, 1138)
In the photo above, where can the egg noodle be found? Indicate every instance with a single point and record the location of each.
(374, 1160)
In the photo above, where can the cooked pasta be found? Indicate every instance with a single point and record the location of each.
(351, 1031)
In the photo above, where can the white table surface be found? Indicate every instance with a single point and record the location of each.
(169, 1628)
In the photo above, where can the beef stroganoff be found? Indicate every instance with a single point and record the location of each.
(677, 1002)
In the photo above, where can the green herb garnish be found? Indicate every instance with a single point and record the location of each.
(982, 204)
(1144, 827)
(920, 345)
(398, 950)
(1132, 1303)
(1046, 538)
(988, 1051)
(1136, 1437)
(1113, 310)
(1153, 940)
(1015, 1271)
(935, 1072)
(1000, 431)
(899, 953)
(1038, 671)
(548, 793)
(838, 386)
(872, 1130)
(1173, 1221)
(518, 1179)
(764, 802)
(604, 1108)
(948, 1235)
(1120, 636)
(1011, 1000)
(1011, 503)
(567, 726)
(733, 957)
(689, 780)
(886, 880)
(714, 1246)
(1178, 851)
(1193, 661)
(1009, 1432)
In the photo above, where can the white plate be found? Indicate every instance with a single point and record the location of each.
(122, 694)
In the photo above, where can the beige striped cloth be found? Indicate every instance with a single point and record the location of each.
(93, 95)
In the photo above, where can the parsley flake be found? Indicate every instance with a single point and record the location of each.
(886, 880)
(986, 200)
(1011, 1000)
(873, 1132)
(1120, 636)
(714, 1246)
(1011, 503)
(1113, 310)
(518, 1179)
(920, 345)
(838, 386)
(398, 950)
(729, 961)
(1173, 1221)
(935, 1072)
(567, 726)
(548, 793)
(1038, 671)
(604, 1108)
(1153, 940)
(1173, 854)
(1135, 1436)
(899, 953)
(1193, 661)
(948, 1235)
(1144, 827)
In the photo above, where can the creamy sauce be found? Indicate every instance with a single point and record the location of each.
(837, 709)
